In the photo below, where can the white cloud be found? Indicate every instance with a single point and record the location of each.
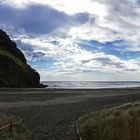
(69, 57)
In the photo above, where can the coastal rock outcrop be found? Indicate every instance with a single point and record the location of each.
(14, 70)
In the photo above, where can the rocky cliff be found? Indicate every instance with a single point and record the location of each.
(14, 70)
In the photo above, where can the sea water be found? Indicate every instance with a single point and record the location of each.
(91, 84)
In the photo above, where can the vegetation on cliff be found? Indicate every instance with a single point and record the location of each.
(14, 70)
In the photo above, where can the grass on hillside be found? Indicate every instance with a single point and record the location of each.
(20, 132)
(119, 123)
(10, 55)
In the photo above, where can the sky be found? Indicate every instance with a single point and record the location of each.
(76, 40)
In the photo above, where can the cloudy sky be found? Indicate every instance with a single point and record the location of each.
(76, 39)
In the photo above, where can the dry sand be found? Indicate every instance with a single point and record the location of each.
(50, 113)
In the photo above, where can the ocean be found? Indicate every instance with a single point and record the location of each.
(91, 84)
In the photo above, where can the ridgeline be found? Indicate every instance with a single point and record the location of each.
(14, 70)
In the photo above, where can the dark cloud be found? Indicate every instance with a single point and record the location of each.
(39, 19)
(108, 61)
(122, 7)
(85, 61)
(34, 56)
(82, 17)
(37, 54)
(29, 52)
(34, 19)
(130, 69)
(24, 47)
(121, 11)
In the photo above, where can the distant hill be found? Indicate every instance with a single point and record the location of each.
(14, 70)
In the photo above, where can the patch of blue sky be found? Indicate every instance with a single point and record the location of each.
(42, 64)
(113, 48)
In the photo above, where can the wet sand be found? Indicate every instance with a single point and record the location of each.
(50, 113)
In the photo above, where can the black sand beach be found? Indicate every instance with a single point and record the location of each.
(51, 113)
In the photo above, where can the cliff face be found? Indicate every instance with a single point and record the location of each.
(14, 70)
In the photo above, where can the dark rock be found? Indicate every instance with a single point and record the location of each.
(43, 86)
(14, 70)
